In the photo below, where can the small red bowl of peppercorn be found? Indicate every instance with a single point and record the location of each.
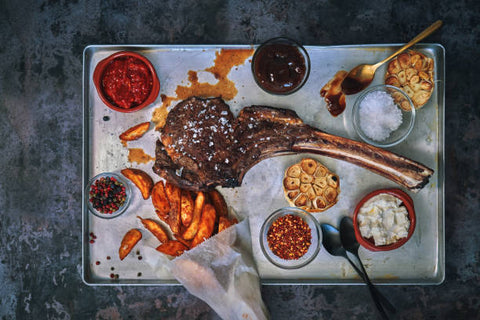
(290, 238)
(108, 195)
(280, 66)
(126, 81)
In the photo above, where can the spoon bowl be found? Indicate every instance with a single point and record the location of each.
(347, 236)
(358, 78)
(362, 75)
(331, 240)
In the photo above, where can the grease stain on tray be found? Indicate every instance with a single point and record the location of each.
(159, 115)
(225, 60)
(138, 155)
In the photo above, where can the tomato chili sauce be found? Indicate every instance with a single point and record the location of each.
(289, 237)
(127, 82)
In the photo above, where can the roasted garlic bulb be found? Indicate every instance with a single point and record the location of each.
(309, 185)
(412, 72)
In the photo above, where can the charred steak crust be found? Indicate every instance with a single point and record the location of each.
(196, 143)
(263, 132)
(203, 146)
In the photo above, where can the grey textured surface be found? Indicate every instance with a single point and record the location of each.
(41, 145)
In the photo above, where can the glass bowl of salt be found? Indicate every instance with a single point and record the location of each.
(381, 116)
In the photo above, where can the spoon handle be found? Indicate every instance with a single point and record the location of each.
(373, 293)
(422, 35)
(384, 300)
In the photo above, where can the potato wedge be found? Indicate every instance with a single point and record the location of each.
(192, 229)
(172, 248)
(155, 228)
(186, 208)
(135, 132)
(129, 241)
(160, 201)
(206, 226)
(140, 179)
(174, 195)
(224, 223)
(186, 243)
(219, 203)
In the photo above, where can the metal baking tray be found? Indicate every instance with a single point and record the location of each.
(420, 261)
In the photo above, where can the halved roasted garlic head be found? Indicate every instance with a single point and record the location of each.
(412, 72)
(309, 185)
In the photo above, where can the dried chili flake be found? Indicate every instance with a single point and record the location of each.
(289, 237)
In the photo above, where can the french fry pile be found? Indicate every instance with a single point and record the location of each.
(191, 217)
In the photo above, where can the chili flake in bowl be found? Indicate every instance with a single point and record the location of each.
(290, 238)
(108, 195)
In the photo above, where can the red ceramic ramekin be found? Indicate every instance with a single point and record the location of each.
(407, 202)
(99, 73)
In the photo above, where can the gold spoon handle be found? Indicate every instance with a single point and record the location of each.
(425, 33)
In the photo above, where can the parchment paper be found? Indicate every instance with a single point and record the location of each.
(221, 271)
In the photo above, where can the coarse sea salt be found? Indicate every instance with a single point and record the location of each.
(379, 115)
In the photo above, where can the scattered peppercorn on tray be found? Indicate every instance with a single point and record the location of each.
(187, 70)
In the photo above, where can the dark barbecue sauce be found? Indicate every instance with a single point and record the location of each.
(279, 68)
(352, 86)
(333, 95)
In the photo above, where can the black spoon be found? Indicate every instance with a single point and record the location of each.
(350, 243)
(332, 243)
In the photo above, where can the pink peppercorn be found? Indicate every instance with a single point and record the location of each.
(107, 195)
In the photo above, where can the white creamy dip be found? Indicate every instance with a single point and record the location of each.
(384, 219)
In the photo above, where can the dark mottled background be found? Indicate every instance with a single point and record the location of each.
(41, 45)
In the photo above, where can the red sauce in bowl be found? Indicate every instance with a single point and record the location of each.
(127, 82)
